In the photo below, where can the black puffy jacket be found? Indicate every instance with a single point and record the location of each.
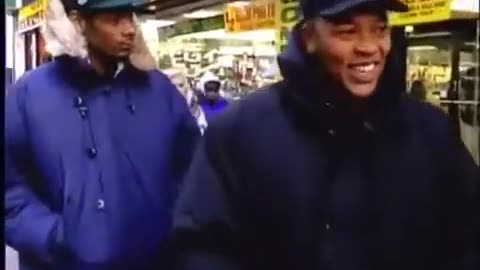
(290, 178)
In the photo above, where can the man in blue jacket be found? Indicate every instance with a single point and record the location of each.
(333, 168)
(213, 103)
(96, 144)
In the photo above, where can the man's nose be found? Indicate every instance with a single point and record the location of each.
(366, 45)
(128, 28)
(366, 48)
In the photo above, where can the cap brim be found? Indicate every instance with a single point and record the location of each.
(345, 6)
(111, 6)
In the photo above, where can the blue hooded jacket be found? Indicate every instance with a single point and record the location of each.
(292, 178)
(212, 108)
(93, 166)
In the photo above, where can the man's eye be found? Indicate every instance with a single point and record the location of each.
(345, 31)
(381, 29)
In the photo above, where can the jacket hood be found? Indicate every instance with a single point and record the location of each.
(311, 89)
(207, 77)
(62, 37)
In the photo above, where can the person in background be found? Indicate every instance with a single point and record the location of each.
(213, 102)
(418, 90)
(96, 144)
(180, 80)
(334, 167)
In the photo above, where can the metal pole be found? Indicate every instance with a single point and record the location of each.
(477, 75)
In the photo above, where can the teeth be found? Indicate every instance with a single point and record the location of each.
(365, 68)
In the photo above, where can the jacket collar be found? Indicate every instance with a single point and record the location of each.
(80, 72)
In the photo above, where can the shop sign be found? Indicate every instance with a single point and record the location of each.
(257, 15)
(287, 13)
(192, 26)
(422, 11)
(31, 15)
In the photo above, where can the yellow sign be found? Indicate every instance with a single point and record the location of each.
(249, 17)
(422, 11)
(287, 13)
(31, 15)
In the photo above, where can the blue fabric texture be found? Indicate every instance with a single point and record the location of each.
(210, 109)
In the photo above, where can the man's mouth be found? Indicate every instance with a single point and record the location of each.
(364, 67)
(364, 72)
(126, 46)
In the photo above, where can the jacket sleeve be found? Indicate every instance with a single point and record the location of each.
(30, 226)
(461, 205)
(470, 172)
(204, 220)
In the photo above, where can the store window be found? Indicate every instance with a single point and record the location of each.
(443, 62)
(429, 71)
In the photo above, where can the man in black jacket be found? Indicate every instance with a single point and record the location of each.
(333, 168)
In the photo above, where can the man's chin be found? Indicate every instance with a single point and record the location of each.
(361, 91)
(123, 55)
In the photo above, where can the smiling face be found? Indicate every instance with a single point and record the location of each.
(352, 47)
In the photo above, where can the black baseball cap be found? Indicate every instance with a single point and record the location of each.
(330, 8)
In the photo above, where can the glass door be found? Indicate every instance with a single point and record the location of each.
(443, 69)
(468, 94)
(429, 68)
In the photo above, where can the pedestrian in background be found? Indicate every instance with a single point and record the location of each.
(96, 143)
(335, 167)
(214, 102)
(418, 90)
(180, 80)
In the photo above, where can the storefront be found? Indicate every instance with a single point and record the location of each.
(235, 40)
(443, 59)
(30, 46)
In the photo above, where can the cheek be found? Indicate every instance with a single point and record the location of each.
(102, 37)
(333, 56)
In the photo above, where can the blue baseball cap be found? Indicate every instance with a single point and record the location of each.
(100, 4)
(330, 8)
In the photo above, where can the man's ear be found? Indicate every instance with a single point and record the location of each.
(307, 36)
(78, 20)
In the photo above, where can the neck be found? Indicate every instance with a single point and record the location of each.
(101, 63)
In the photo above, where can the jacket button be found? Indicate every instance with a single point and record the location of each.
(83, 112)
(92, 152)
(327, 226)
(331, 132)
(100, 204)
(131, 108)
(368, 126)
(78, 102)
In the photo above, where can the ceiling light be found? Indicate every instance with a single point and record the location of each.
(239, 3)
(423, 48)
(200, 14)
